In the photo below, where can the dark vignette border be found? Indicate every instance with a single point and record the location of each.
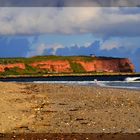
(70, 136)
(69, 3)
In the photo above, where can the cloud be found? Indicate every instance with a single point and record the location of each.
(101, 3)
(127, 43)
(101, 22)
(51, 49)
(69, 3)
(39, 49)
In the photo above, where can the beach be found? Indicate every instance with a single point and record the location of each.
(61, 108)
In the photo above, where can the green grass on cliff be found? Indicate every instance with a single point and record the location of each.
(50, 57)
(77, 68)
(27, 71)
(11, 71)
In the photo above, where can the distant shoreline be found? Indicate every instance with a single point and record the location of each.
(69, 74)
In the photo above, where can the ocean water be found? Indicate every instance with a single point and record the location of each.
(128, 83)
(116, 81)
(122, 84)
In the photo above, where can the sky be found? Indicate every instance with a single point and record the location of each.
(103, 31)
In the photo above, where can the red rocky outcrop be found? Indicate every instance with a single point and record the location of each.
(19, 65)
(108, 65)
(97, 65)
(53, 65)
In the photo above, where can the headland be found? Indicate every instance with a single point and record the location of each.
(64, 65)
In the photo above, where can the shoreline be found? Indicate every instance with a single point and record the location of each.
(71, 83)
(71, 74)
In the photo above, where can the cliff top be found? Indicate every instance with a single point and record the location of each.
(54, 57)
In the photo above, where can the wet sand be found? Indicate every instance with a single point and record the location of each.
(27, 108)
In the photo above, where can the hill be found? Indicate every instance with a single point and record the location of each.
(41, 65)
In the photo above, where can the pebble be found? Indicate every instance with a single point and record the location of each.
(89, 124)
(37, 109)
(31, 116)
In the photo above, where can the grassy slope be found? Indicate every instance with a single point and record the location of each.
(50, 57)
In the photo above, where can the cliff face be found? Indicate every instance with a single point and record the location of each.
(68, 65)
(3, 67)
(112, 65)
(57, 65)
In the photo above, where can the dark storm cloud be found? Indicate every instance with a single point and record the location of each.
(69, 3)
(101, 22)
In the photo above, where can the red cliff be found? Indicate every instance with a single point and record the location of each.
(71, 64)
(109, 65)
(51, 65)
(9, 66)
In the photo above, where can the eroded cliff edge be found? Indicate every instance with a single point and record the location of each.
(64, 64)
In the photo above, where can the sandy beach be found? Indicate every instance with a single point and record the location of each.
(58, 108)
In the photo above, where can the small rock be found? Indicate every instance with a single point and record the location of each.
(79, 119)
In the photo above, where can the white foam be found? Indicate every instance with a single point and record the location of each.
(114, 84)
(130, 79)
(122, 84)
(123, 87)
(66, 82)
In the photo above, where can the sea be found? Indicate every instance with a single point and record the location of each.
(114, 81)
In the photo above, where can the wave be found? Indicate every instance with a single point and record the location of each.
(86, 82)
(114, 84)
(130, 79)
(123, 87)
(66, 82)
(122, 84)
